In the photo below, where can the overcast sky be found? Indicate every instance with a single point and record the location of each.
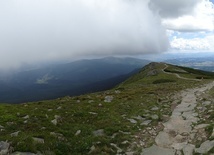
(50, 30)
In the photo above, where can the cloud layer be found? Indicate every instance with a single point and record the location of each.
(45, 30)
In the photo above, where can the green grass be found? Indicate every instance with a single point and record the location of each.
(136, 97)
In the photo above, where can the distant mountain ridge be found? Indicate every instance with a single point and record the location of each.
(73, 78)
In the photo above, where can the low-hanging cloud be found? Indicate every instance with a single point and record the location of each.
(44, 30)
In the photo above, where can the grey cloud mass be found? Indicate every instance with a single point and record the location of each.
(173, 8)
(45, 30)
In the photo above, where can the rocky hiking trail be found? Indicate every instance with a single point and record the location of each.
(177, 75)
(183, 130)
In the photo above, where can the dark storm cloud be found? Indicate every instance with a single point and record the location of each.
(173, 8)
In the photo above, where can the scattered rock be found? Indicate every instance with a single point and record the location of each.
(117, 91)
(57, 135)
(147, 122)
(139, 118)
(43, 128)
(132, 121)
(125, 142)
(154, 117)
(92, 149)
(4, 148)
(10, 123)
(26, 117)
(108, 99)
(100, 105)
(15, 134)
(99, 132)
(212, 136)
(90, 101)
(50, 109)
(119, 150)
(1, 127)
(57, 117)
(59, 108)
(39, 140)
(78, 132)
(92, 113)
(155, 108)
(54, 121)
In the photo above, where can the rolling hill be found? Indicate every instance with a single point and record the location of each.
(135, 117)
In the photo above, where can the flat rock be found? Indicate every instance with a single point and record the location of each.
(57, 135)
(179, 146)
(14, 134)
(99, 132)
(147, 122)
(54, 121)
(132, 121)
(205, 147)
(206, 103)
(4, 148)
(155, 150)
(163, 139)
(139, 118)
(179, 125)
(155, 108)
(188, 149)
(212, 136)
(108, 99)
(154, 117)
(78, 132)
(39, 140)
(201, 126)
(26, 117)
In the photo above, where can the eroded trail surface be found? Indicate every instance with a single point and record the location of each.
(183, 128)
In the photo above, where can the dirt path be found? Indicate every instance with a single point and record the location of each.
(179, 132)
(177, 75)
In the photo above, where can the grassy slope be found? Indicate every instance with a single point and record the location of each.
(134, 97)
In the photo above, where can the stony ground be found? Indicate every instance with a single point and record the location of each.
(183, 134)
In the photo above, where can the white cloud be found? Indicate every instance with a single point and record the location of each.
(197, 44)
(202, 19)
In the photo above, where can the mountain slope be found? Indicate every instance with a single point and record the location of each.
(74, 78)
(121, 120)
